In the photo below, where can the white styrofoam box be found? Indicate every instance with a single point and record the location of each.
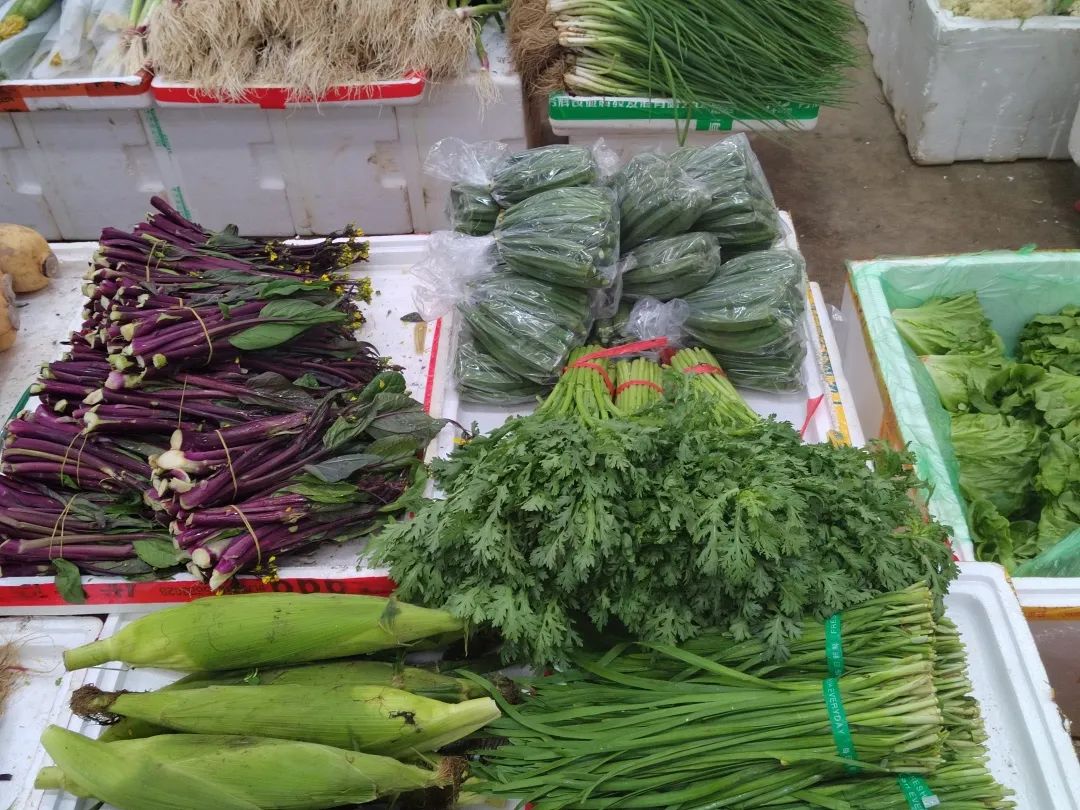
(69, 173)
(1074, 138)
(455, 109)
(1030, 749)
(47, 318)
(331, 567)
(283, 172)
(22, 193)
(39, 695)
(1029, 746)
(969, 89)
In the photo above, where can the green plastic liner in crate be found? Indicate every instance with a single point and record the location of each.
(1012, 287)
(602, 112)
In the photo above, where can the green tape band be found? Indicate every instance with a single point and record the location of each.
(918, 794)
(841, 731)
(834, 647)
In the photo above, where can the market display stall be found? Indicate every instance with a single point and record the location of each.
(597, 446)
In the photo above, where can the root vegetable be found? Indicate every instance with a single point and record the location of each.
(9, 315)
(25, 257)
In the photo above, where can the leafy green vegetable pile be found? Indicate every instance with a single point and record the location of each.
(687, 514)
(1015, 424)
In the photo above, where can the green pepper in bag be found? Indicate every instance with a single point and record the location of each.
(566, 236)
(741, 211)
(657, 199)
(750, 317)
(672, 267)
(524, 174)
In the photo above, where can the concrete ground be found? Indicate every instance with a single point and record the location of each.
(854, 192)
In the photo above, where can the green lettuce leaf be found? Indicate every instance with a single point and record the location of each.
(999, 458)
(1053, 341)
(948, 326)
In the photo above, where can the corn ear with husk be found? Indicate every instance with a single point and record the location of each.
(374, 719)
(199, 772)
(265, 629)
(325, 675)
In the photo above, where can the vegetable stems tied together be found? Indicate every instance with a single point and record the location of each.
(215, 411)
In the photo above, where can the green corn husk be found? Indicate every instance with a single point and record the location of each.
(373, 719)
(264, 629)
(670, 268)
(418, 681)
(203, 772)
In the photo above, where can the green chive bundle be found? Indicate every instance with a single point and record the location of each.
(747, 58)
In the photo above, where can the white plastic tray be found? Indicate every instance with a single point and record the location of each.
(53, 313)
(1030, 751)
(39, 694)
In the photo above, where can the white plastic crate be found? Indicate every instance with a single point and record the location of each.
(969, 89)
(1029, 746)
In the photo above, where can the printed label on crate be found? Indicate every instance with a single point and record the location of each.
(562, 107)
(40, 594)
(24, 95)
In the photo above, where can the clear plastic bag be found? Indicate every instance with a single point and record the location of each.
(480, 378)
(1060, 560)
(67, 49)
(651, 318)
(469, 168)
(526, 326)
(566, 236)
(741, 211)
(672, 267)
(750, 316)
(16, 53)
(657, 199)
(532, 171)
(451, 262)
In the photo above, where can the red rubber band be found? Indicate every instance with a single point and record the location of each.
(599, 369)
(620, 351)
(632, 383)
(704, 368)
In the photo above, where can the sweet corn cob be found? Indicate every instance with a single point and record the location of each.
(259, 629)
(199, 772)
(374, 719)
(421, 682)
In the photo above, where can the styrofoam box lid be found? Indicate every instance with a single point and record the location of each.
(39, 694)
(1030, 750)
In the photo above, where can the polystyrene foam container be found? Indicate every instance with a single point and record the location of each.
(407, 90)
(327, 568)
(972, 89)
(39, 694)
(1029, 745)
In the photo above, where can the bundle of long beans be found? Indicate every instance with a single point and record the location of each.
(746, 58)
